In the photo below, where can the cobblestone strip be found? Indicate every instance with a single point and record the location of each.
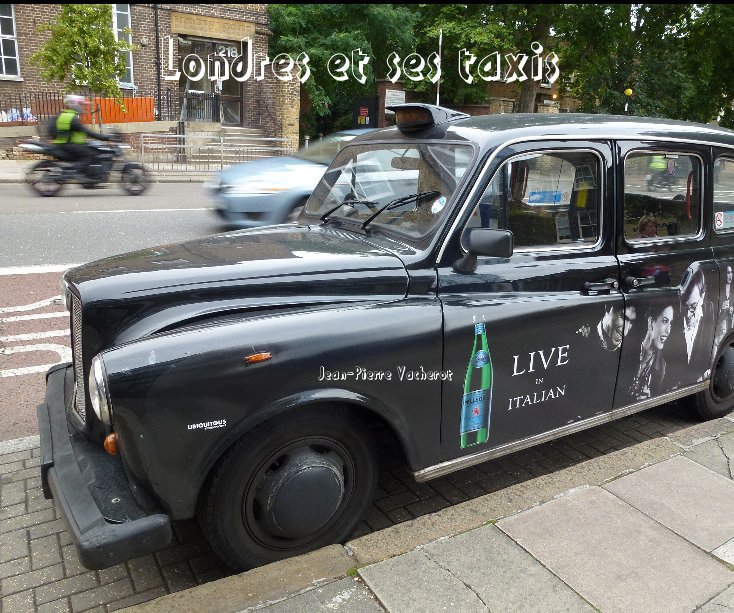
(40, 570)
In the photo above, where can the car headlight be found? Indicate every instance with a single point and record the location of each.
(66, 293)
(98, 391)
(243, 189)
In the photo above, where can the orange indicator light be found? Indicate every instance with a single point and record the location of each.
(110, 444)
(255, 358)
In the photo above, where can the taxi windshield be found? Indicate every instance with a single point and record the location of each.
(402, 187)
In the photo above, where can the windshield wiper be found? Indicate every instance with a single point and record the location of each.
(345, 202)
(399, 201)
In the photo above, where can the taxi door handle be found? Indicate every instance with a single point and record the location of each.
(602, 286)
(637, 282)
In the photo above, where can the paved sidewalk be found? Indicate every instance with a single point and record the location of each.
(39, 570)
(648, 528)
(645, 528)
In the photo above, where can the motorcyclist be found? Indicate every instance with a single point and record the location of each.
(71, 135)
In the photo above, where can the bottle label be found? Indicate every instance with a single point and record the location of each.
(479, 328)
(481, 358)
(473, 411)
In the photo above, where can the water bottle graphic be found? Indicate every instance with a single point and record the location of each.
(476, 404)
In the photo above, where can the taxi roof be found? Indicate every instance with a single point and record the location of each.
(493, 130)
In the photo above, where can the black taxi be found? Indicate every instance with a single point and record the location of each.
(475, 285)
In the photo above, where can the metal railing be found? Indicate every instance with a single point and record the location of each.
(193, 152)
(34, 108)
(31, 109)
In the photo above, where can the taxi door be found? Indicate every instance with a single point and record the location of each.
(668, 276)
(533, 341)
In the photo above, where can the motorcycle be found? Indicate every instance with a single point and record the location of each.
(47, 177)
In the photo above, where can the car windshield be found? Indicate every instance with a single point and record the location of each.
(323, 151)
(402, 187)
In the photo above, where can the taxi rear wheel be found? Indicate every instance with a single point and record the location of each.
(296, 483)
(718, 399)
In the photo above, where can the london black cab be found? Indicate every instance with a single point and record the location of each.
(475, 285)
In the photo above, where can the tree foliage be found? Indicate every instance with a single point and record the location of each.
(322, 30)
(674, 57)
(607, 48)
(82, 51)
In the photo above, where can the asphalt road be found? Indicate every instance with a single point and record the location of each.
(52, 233)
(83, 225)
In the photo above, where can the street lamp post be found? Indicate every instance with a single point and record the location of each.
(628, 93)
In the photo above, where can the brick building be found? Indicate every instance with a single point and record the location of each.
(164, 67)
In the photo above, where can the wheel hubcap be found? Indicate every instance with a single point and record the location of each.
(300, 492)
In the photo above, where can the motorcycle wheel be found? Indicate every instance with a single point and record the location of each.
(134, 179)
(45, 178)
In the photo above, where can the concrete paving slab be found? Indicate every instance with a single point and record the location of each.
(722, 603)
(725, 552)
(466, 516)
(258, 586)
(716, 455)
(413, 582)
(503, 574)
(688, 498)
(615, 557)
(347, 595)
(700, 433)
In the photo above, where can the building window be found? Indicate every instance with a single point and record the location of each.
(9, 65)
(121, 24)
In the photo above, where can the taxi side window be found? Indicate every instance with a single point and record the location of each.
(724, 194)
(662, 195)
(545, 199)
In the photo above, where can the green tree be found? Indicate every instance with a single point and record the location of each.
(482, 30)
(607, 48)
(82, 51)
(710, 65)
(322, 30)
(464, 26)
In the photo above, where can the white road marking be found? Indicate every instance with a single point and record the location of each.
(133, 211)
(4, 320)
(35, 270)
(33, 306)
(34, 336)
(63, 352)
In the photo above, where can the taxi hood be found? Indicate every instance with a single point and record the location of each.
(271, 267)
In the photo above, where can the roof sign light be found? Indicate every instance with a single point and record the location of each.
(414, 117)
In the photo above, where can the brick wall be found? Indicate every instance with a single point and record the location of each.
(269, 104)
(27, 19)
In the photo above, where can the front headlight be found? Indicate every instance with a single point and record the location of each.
(98, 391)
(252, 188)
(66, 293)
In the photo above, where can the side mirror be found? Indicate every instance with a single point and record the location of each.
(487, 242)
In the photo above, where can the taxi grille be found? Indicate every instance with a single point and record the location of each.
(80, 401)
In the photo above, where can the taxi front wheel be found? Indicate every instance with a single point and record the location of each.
(718, 399)
(295, 483)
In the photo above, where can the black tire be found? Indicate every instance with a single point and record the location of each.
(134, 179)
(45, 178)
(293, 484)
(717, 400)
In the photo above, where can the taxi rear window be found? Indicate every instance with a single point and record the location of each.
(662, 195)
(724, 194)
